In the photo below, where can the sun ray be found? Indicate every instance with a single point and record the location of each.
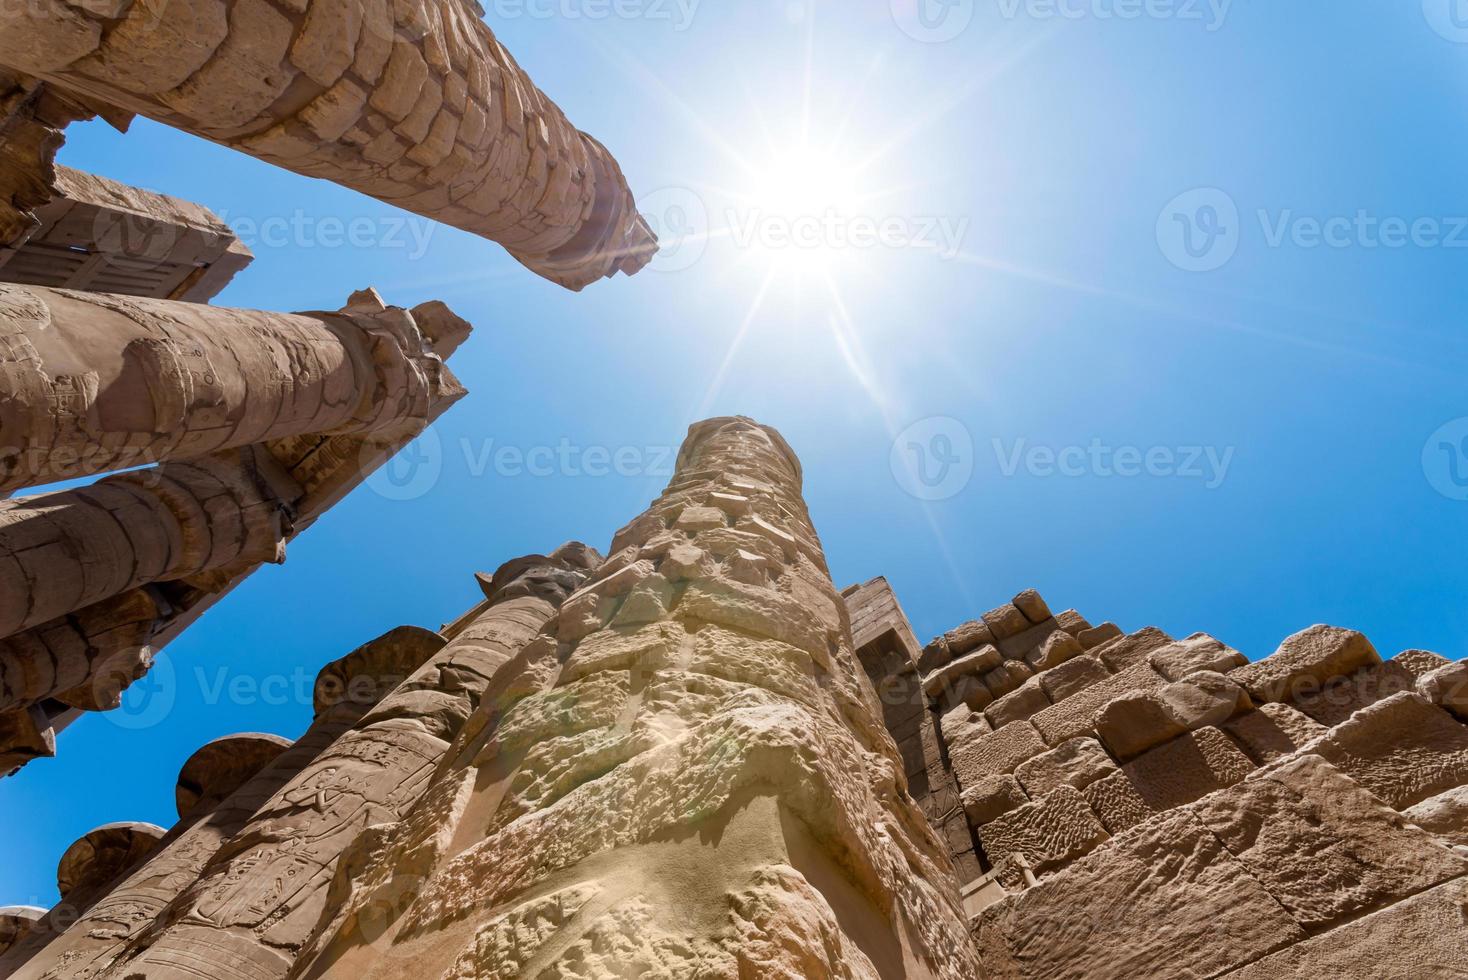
(717, 383)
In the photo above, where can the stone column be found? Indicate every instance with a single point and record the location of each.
(260, 898)
(685, 774)
(64, 551)
(219, 788)
(92, 382)
(415, 104)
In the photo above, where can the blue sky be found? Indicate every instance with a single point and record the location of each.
(1163, 321)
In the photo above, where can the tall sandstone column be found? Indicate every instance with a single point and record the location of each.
(684, 775)
(260, 897)
(92, 382)
(413, 102)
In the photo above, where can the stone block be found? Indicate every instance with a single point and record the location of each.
(1204, 700)
(1120, 652)
(1033, 606)
(1323, 846)
(1056, 649)
(1072, 622)
(1079, 763)
(1305, 662)
(1006, 621)
(1420, 663)
(1199, 652)
(1274, 731)
(1097, 635)
(934, 656)
(1447, 687)
(962, 724)
(1048, 833)
(1018, 705)
(1076, 715)
(1020, 646)
(1341, 697)
(1445, 816)
(991, 798)
(1187, 769)
(1404, 749)
(1163, 900)
(996, 754)
(1416, 939)
(1072, 677)
(1135, 723)
(1008, 677)
(969, 637)
(973, 665)
(1117, 802)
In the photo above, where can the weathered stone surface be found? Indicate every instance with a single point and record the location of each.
(1117, 802)
(1025, 645)
(991, 798)
(1199, 652)
(102, 856)
(1342, 697)
(15, 922)
(1404, 749)
(1305, 662)
(451, 127)
(1187, 768)
(1444, 816)
(1007, 678)
(1053, 651)
(1018, 705)
(1075, 716)
(950, 677)
(1098, 635)
(1006, 622)
(964, 724)
(1120, 652)
(1448, 688)
(1420, 663)
(1134, 723)
(1138, 906)
(969, 637)
(1072, 622)
(1033, 606)
(1419, 937)
(1079, 763)
(1072, 677)
(996, 754)
(1047, 833)
(1273, 731)
(222, 766)
(1321, 845)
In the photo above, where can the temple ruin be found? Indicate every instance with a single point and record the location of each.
(696, 758)
(686, 756)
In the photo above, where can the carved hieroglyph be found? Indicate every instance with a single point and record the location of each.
(260, 896)
(683, 775)
(92, 382)
(416, 104)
